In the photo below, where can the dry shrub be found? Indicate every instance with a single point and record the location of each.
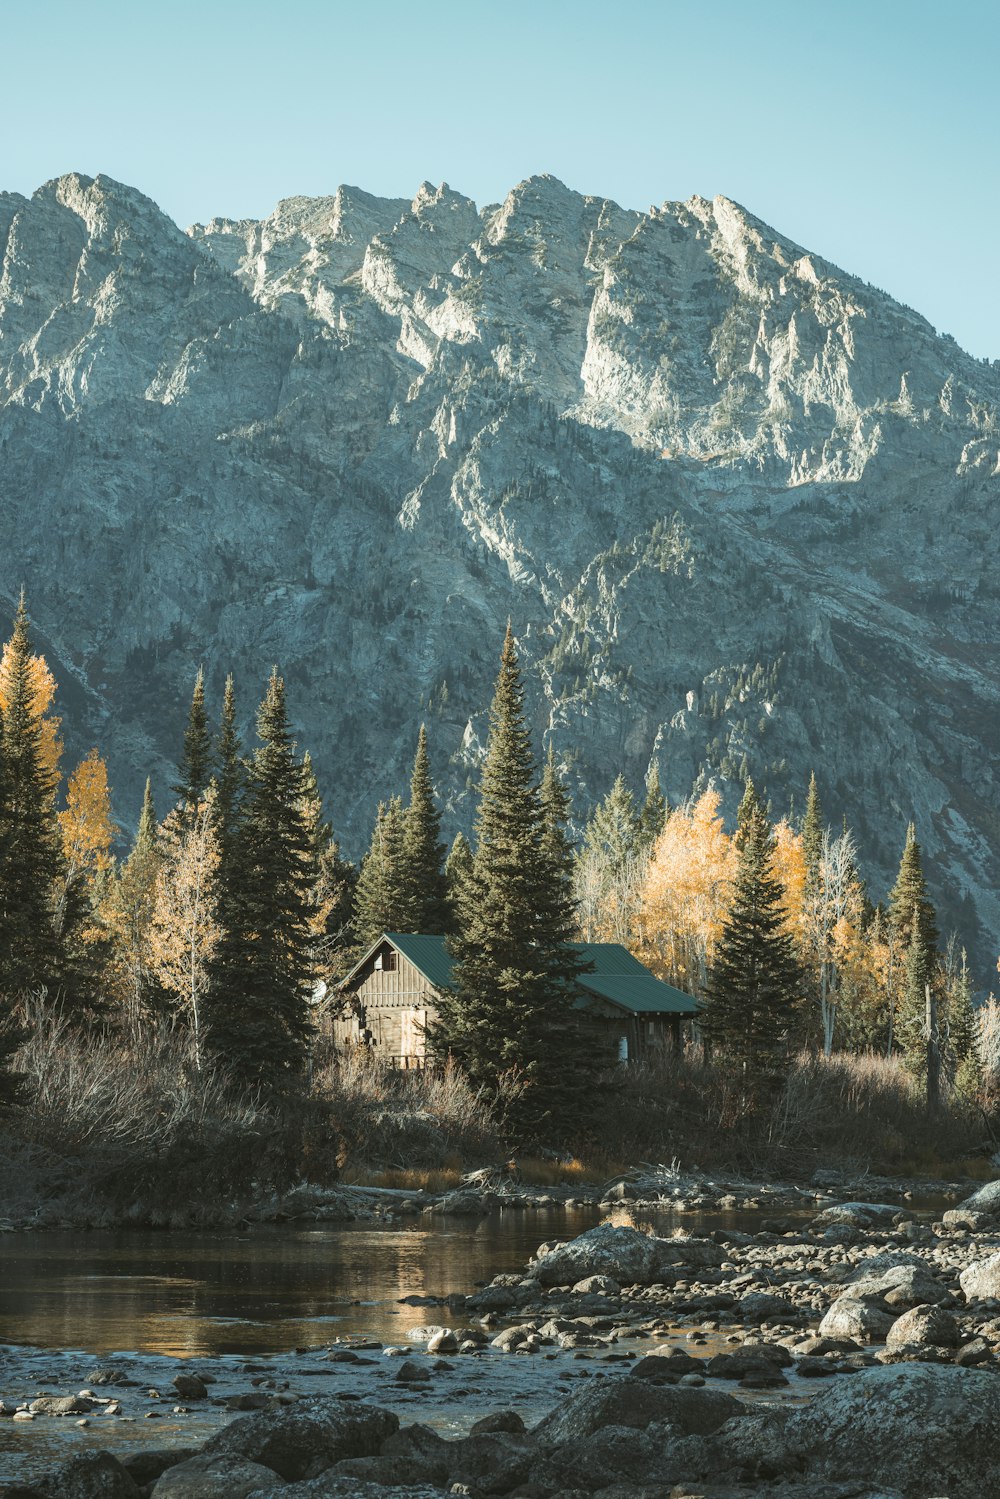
(852, 1112)
(402, 1120)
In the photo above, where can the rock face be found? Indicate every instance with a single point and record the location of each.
(737, 503)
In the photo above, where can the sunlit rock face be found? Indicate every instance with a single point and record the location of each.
(740, 507)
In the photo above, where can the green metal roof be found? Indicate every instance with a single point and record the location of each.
(640, 994)
(617, 976)
(426, 953)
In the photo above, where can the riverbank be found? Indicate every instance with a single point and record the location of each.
(828, 1349)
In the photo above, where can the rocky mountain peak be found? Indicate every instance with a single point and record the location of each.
(739, 504)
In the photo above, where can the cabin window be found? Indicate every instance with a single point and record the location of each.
(385, 962)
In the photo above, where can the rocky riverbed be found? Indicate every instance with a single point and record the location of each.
(853, 1352)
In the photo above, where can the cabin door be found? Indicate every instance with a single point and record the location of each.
(412, 1037)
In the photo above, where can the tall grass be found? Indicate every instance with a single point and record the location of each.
(854, 1112)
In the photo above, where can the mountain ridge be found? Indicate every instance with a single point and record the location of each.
(738, 503)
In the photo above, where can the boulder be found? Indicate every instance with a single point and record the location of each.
(924, 1429)
(924, 1327)
(91, 1475)
(985, 1200)
(905, 1284)
(61, 1405)
(214, 1476)
(597, 1285)
(635, 1403)
(624, 1255)
(857, 1320)
(304, 1440)
(856, 1214)
(981, 1280)
(760, 1306)
(190, 1387)
(970, 1218)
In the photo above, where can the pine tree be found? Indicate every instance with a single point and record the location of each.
(511, 1008)
(32, 864)
(457, 869)
(610, 867)
(909, 902)
(261, 973)
(196, 760)
(749, 808)
(812, 837)
(381, 899)
(229, 768)
(754, 985)
(332, 910)
(427, 907)
(654, 810)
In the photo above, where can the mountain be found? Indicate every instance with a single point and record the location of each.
(740, 506)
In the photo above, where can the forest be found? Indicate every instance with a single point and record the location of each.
(165, 1003)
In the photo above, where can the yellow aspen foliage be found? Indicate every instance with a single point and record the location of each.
(87, 827)
(687, 892)
(789, 865)
(185, 929)
(43, 691)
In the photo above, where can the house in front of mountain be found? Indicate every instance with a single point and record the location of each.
(389, 997)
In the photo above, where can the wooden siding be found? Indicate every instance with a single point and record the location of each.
(392, 1009)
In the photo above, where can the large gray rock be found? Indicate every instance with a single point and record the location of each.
(215, 1475)
(856, 1214)
(925, 1429)
(636, 1403)
(922, 1327)
(304, 1440)
(986, 1199)
(909, 1283)
(624, 1254)
(857, 1320)
(91, 1475)
(981, 1280)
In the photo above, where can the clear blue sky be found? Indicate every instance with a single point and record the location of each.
(868, 130)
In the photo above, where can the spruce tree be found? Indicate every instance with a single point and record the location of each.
(909, 902)
(229, 767)
(654, 810)
(750, 807)
(754, 986)
(261, 975)
(510, 1011)
(457, 869)
(195, 768)
(132, 904)
(332, 911)
(32, 863)
(382, 896)
(812, 836)
(612, 837)
(427, 907)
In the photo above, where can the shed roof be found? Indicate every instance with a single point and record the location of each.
(617, 975)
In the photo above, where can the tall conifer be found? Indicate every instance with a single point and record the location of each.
(754, 984)
(654, 809)
(427, 906)
(261, 974)
(195, 769)
(382, 896)
(812, 836)
(511, 1007)
(31, 850)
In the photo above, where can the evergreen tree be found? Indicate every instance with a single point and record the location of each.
(457, 869)
(31, 863)
(261, 973)
(654, 810)
(510, 1011)
(812, 837)
(555, 804)
(196, 760)
(381, 899)
(754, 985)
(909, 903)
(427, 907)
(332, 914)
(229, 768)
(613, 834)
(749, 808)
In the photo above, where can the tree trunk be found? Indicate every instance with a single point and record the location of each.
(933, 1051)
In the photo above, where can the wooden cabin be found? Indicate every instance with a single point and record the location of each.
(390, 994)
